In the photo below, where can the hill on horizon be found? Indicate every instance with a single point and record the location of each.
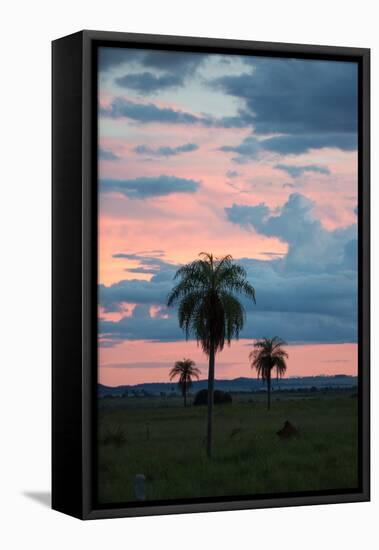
(241, 384)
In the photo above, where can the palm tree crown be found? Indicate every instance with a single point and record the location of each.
(186, 371)
(268, 354)
(206, 294)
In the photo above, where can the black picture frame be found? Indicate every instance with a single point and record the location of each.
(74, 270)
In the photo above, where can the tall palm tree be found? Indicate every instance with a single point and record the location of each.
(268, 354)
(209, 310)
(186, 371)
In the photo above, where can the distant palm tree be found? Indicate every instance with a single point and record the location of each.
(209, 309)
(186, 371)
(266, 356)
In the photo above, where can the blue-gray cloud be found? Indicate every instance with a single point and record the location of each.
(145, 187)
(311, 104)
(293, 326)
(183, 62)
(311, 247)
(308, 295)
(133, 291)
(105, 154)
(139, 326)
(148, 112)
(175, 66)
(297, 171)
(301, 308)
(153, 292)
(294, 96)
(145, 113)
(108, 58)
(302, 143)
(252, 147)
(151, 262)
(165, 151)
(146, 83)
(307, 104)
(248, 149)
(178, 64)
(232, 174)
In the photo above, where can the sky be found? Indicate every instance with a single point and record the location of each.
(250, 156)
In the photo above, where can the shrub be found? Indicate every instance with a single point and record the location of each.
(219, 397)
(116, 437)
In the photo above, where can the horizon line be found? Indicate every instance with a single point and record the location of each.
(233, 379)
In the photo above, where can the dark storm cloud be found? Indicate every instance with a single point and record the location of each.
(147, 83)
(297, 171)
(145, 187)
(165, 151)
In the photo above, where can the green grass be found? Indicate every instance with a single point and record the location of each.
(166, 442)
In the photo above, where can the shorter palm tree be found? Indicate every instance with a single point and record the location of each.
(268, 354)
(186, 371)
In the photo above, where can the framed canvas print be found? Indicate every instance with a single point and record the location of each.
(210, 274)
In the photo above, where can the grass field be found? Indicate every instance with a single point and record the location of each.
(166, 442)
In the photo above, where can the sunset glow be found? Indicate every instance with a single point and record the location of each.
(203, 167)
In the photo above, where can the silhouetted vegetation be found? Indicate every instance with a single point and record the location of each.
(186, 371)
(268, 355)
(209, 310)
(114, 436)
(219, 397)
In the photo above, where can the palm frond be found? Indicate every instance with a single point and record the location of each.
(185, 370)
(207, 298)
(268, 355)
(280, 366)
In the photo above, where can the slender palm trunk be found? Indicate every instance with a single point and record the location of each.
(185, 394)
(269, 390)
(211, 377)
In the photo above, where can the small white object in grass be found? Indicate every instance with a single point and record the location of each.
(139, 486)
